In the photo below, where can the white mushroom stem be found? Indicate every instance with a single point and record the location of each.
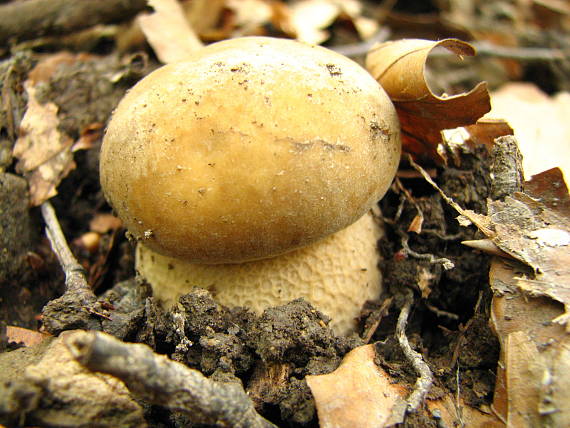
(337, 275)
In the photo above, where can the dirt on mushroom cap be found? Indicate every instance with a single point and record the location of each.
(251, 148)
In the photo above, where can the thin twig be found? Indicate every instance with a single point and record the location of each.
(357, 49)
(378, 315)
(483, 49)
(75, 280)
(159, 380)
(441, 312)
(425, 376)
(78, 303)
(445, 262)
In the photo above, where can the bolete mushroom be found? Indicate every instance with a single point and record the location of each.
(257, 151)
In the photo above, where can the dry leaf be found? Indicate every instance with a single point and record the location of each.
(524, 368)
(250, 15)
(399, 67)
(357, 394)
(24, 336)
(309, 18)
(204, 15)
(523, 327)
(457, 413)
(540, 124)
(88, 136)
(168, 31)
(103, 223)
(44, 153)
(537, 233)
(554, 404)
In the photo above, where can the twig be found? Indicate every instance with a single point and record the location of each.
(425, 377)
(357, 49)
(159, 380)
(29, 19)
(74, 308)
(483, 49)
(378, 314)
(486, 49)
(441, 313)
(75, 280)
(445, 262)
(462, 330)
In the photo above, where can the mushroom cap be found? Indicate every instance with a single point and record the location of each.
(337, 274)
(249, 149)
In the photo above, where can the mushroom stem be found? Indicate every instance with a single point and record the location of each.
(337, 275)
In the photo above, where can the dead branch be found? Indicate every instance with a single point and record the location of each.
(425, 376)
(377, 316)
(30, 19)
(445, 262)
(159, 380)
(75, 280)
(75, 307)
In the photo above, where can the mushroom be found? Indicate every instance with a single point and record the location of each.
(259, 152)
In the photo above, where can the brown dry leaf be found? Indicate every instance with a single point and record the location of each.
(44, 153)
(357, 394)
(532, 229)
(537, 232)
(532, 375)
(250, 16)
(204, 15)
(399, 67)
(103, 223)
(24, 336)
(524, 368)
(168, 32)
(528, 230)
(309, 18)
(366, 27)
(88, 136)
(540, 123)
(454, 413)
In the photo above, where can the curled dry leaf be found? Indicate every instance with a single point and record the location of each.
(44, 153)
(168, 31)
(357, 394)
(399, 67)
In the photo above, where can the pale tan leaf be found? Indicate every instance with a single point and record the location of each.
(399, 68)
(24, 336)
(309, 18)
(250, 15)
(357, 394)
(554, 403)
(540, 123)
(524, 369)
(103, 223)
(457, 413)
(203, 15)
(44, 153)
(525, 331)
(168, 31)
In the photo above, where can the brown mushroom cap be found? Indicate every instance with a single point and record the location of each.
(249, 149)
